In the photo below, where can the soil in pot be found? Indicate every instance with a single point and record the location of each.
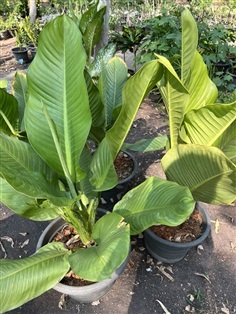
(189, 231)
(126, 168)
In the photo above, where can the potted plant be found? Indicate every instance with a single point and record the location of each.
(48, 169)
(200, 150)
(20, 52)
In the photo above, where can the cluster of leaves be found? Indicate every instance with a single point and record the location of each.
(163, 36)
(27, 33)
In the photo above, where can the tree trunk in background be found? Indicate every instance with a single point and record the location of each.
(104, 38)
(32, 10)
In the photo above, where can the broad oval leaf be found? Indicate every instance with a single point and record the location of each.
(209, 174)
(56, 81)
(189, 43)
(148, 144)
(26, 206)
(227, 142)
(112, 244)
(9, 107)
(205, 125)
(26, 172)
(19, 87)
(201, 89)
(24, 279)
(155, 202)
(176, 98)
(111, 81)
(135, 90)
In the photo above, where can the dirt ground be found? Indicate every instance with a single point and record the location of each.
(203, 282)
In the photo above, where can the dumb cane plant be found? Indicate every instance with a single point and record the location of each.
(48, 169)
(90, 23)
(201, 145)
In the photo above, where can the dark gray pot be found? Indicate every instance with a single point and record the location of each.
(172, 252)
(83, 294)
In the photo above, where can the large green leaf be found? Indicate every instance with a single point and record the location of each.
(87, 17)
(26, 206)
(201, 89)
(19, 88)
(135, 90)
(204, 126)
(112, 243)
(227, 142)
(209, 174)
(155, 202)
(111, 81)
(8, 106)
(175, 97)
(147, 145)
(27, 173)
(56, 82)
(189, 43)
(101, 58)
(92, 35)
(24, 279)
(95, 103)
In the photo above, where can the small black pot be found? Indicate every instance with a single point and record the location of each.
(6, 34)
(20, 54)
(110, 197)
(32, 50)
(173, 252)
(84, 294)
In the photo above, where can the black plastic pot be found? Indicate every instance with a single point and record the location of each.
(6, 34)
(173, 252)
(84, 294)
(110, 197)
(20, 54)
(32, 51)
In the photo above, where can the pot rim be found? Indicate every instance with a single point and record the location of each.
(206, 229)
(135, 167)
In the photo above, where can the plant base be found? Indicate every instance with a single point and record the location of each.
(88, 293)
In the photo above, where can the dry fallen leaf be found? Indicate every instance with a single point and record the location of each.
(224, 309)
(204, 276)
(190, 309)
(8, 239)
(3, 249)
(62, 301)
(26, 242)
(162, 270)
(199, 249)
(217, 225)
(163, 307)
(94, 303)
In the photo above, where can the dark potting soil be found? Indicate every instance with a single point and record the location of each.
(188, 231)
(124, 166)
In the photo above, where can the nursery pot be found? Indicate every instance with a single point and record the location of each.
(173, 252)
(32, 50)
(88, 293)
(20, 54)
(112, 196)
